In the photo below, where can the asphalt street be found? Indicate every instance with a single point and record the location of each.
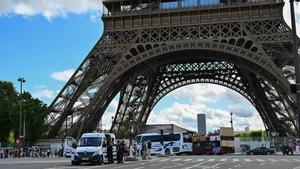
(172, 162)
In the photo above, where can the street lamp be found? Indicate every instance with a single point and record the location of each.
(231, 122)
(297, 62)
(21, 80)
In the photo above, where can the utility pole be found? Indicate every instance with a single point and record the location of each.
(297, 62)
(21, 80)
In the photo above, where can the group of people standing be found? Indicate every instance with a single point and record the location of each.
(121, 151)
(146, 150)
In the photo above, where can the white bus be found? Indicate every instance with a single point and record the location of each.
(182, 142)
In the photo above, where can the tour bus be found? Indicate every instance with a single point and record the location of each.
(182, 142)
(92, 148)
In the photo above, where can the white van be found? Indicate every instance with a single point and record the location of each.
(92, 148)
(69, 143)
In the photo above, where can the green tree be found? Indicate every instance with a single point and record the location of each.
(8, 110)
(34, 109)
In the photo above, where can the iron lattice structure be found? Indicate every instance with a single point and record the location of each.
(151, 47)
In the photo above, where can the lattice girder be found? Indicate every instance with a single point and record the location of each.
(252, 34)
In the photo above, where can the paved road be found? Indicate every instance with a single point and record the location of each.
(174, 162)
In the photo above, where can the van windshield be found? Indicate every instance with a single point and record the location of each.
(90, 141)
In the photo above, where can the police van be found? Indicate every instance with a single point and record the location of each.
(92, 148)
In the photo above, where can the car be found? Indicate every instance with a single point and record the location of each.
(260, 151)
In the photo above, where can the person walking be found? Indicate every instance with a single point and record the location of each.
(149, 146)
(110, 153)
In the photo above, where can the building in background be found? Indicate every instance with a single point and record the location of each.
(201, 120)
(247, 129)
(167, 128)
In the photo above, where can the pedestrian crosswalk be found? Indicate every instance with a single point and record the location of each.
(229, 159)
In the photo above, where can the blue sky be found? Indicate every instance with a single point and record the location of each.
(45, 41)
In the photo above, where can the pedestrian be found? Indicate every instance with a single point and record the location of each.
(120, 151)
(134, 151)
(110, 156)
(48, 153)
(149, 146)
(144, 151)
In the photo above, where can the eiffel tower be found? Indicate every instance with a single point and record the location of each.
(151, 47)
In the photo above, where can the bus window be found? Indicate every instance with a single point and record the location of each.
(176, 137)
(187, 137)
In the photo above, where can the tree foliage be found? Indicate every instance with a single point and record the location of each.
(35, 112)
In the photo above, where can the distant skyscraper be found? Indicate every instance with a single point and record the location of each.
(247, 129)
(201, 119)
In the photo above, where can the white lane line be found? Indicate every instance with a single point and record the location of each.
(211, 160)
(223, 159)
(177, 159)
(216, 165)
(248, 160)
(298, 160)
(139, 167)
(236, 160)
(200, 159)
(260, 160)
(164, 159)
(193, 166)
(273, 160)
(187, 160)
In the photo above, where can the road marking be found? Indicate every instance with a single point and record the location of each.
(211, 160)
(177, 159)
(139, 167)
(200, 159)
(223, 159)
(298, 160)
(248, 160)
(260, 160)
(215, 166)
(188, 160)
(165, 159)
(236, 160)
(193, 166)
(273, 160)
(238, 165)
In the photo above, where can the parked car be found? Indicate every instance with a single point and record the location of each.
(261, 151)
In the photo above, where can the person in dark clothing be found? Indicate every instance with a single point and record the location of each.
(110, 156)
(120, 152)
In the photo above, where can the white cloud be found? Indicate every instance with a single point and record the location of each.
(109, 113)
(200, 93)
(42, 92)
(62, 75)
(185, 115)
(48, 8)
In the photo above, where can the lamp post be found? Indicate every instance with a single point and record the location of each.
(231, 122)
(21, 80)
(297, 62)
